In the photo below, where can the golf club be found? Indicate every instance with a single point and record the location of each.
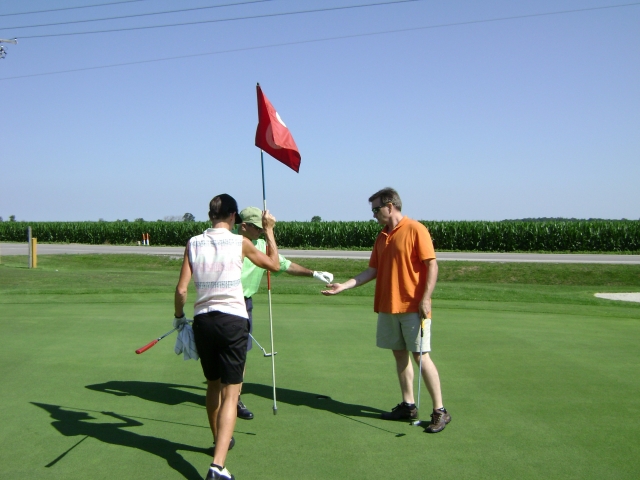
(153, 342)
(417, 422)
(260, 346)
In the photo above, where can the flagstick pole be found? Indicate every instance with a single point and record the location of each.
(273, 356)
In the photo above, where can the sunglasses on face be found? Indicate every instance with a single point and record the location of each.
(375, 210)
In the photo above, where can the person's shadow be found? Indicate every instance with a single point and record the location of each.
(172, 394)
(166, 393)
(319, 402)
(312, 400)
(73, 423)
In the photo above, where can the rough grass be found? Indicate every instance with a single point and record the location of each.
(449, 271)
(465, 281)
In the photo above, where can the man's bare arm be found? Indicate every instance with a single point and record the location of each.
(299, 270)
(432, 278)
(360, 279)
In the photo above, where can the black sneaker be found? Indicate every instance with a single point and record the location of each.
(243, 411)
(215, 472)
(439, 420)
(402, 411)
(231, 444)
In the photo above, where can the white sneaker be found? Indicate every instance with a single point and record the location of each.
(215, 472)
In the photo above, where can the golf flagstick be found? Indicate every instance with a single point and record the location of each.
(273, 136)
(273, 357)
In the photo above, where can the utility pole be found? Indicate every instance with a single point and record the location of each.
(3, 52)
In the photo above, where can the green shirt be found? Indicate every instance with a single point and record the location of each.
(252, 275)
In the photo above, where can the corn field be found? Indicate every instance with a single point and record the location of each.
(99, 233)
(478, 236)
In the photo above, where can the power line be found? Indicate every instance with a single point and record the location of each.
(70, 8)
(318, 40)
(134, 15)
(267, 15)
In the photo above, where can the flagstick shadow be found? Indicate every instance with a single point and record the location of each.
(73, 423)
(64, 454)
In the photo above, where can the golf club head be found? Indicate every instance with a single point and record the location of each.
(270, 354)
(416, 423)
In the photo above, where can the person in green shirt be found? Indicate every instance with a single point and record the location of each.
(251, 227)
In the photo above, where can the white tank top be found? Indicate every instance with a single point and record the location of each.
(216, 264)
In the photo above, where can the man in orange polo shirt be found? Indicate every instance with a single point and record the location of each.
(403, 262)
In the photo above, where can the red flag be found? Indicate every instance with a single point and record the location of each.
(273, 136)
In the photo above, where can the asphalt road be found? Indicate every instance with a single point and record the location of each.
(74, 248)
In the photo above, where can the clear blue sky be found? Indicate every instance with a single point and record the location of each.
(528, 117)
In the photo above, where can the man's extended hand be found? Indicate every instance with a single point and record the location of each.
(324, 277)
(334, 288)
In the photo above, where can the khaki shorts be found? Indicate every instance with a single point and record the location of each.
(401, 331)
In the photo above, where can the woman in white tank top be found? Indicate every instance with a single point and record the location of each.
(220, 327)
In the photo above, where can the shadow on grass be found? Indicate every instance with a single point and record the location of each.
(311, 400)
(174, 394)
(72, 423)
(319, 402)
(166, 393)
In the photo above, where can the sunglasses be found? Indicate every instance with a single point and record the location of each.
(375, 210)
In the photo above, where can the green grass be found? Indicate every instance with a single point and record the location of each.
(542, 379)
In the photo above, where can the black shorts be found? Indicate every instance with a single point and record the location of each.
(221, 340)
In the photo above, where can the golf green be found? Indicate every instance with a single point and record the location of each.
(542, 381)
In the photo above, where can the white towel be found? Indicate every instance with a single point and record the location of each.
(185, 343)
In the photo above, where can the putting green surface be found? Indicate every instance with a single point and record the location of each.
(537, 389)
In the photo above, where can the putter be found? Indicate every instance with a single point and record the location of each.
(260, 346)
(417, 422)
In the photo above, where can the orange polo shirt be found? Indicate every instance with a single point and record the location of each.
(399, 257)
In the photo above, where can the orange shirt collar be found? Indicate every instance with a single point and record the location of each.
(385, 230)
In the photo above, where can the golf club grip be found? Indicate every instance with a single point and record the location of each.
(146, 347)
